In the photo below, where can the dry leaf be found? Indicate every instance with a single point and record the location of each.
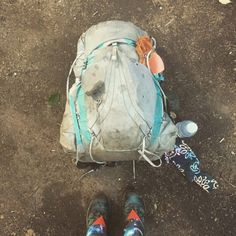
(30, 232)
(224, 1)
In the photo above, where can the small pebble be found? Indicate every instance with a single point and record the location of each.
(173, 115)
(155, 206)
(1, 217)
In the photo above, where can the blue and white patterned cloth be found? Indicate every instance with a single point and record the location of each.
(187, 163)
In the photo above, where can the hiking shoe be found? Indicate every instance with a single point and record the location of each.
(98, 211)
(134, 207)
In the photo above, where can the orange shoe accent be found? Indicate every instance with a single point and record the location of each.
(133, 216)
(99, 221)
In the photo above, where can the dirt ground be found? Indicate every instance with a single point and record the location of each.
(40, 187)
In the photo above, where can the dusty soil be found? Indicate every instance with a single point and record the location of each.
(40, 187)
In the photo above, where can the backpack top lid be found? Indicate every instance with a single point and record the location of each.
(110, 30)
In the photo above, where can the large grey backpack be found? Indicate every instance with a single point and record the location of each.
(115, 109)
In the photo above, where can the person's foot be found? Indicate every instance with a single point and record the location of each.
(134, 208)
(98, 211)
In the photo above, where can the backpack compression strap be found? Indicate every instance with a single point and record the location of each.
(91, 55)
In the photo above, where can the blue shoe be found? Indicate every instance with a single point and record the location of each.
(134, 208)
(98, 211)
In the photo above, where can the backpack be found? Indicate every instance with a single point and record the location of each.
(115, 110)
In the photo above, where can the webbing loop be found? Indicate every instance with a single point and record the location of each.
(145, 157)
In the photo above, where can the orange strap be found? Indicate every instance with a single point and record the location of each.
(143, 46)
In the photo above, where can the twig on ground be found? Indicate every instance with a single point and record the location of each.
(169, 22)
(222, 140)
(228, 182)
(86, 173)
(95, 13)
(154, 2)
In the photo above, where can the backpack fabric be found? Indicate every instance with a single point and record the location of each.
(115, 110)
